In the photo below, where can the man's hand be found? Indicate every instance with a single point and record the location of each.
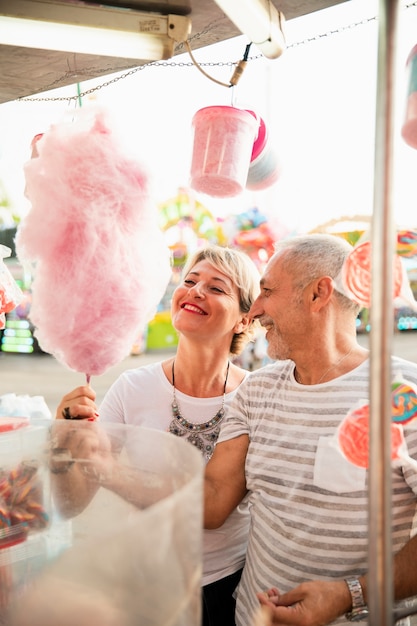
(87, 444)
(314, 603)
(81, 459)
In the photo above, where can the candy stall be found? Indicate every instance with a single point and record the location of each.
(103, 524)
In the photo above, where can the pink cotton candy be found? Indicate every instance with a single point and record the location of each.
(101, 264)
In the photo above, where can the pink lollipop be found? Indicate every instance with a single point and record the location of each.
(101, 264)
(353, 437)
(356, 274)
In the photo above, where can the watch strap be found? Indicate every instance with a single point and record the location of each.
(359, 609)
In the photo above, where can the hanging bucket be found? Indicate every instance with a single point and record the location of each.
(409, 128)
(223, 144)
(264, 167)
(131, 557)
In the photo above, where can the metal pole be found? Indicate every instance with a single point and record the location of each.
(380, 582)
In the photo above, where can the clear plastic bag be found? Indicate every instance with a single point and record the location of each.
(136, 551)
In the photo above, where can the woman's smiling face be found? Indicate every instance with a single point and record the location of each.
(206, 302)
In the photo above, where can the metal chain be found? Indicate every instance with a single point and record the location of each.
(182, 64)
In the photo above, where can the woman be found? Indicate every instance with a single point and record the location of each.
(210, 313)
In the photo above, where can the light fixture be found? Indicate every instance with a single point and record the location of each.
(260, 21)
(91, 29)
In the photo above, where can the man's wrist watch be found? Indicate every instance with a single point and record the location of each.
(359, 610)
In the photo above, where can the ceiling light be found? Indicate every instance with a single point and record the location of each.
(260, 21)
(91, 29)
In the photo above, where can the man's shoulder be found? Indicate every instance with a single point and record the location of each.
(403, 366)
(271, 370)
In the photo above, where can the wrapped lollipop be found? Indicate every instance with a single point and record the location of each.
(356, 275)
(407, 243)
(353, 437)
(99, 260)
(10, 293)
(403, 400)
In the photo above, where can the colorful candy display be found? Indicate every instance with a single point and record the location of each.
(356, 275)
(21, 507)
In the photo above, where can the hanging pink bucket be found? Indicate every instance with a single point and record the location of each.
(223, 144)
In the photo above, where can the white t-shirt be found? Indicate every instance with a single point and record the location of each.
(143, 397)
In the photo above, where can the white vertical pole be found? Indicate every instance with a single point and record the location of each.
(380, 585)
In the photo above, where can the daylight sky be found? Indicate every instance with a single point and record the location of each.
(318, 100)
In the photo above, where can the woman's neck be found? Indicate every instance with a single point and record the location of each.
(202, 373)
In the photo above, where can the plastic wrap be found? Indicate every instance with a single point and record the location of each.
(134, 553)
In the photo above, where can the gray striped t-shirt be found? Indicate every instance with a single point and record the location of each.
(308, 504)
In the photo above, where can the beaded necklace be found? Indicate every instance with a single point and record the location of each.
(202, 436)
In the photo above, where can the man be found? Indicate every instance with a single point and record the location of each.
(308, 536)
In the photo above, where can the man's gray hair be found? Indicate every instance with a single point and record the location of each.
(308, 257)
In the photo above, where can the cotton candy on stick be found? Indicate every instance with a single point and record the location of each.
(101, 264)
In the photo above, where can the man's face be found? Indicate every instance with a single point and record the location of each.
(279, 308)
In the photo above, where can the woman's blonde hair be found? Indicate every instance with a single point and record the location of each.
(240, 268)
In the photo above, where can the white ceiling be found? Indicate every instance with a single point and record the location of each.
(28, 71)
